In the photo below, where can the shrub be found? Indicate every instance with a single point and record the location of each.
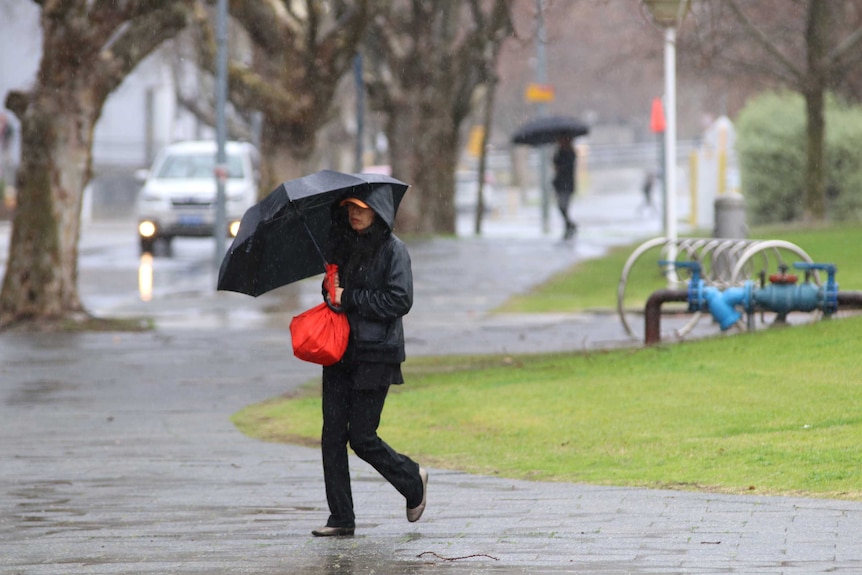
(771, 150)
(844, 163)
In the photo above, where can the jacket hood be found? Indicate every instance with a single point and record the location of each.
(380, 198)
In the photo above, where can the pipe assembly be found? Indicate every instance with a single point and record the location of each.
(781, 296)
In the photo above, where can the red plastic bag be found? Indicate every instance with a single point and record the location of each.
(320, 334)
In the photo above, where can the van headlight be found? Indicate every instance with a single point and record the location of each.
(147, 229)
(234, 228)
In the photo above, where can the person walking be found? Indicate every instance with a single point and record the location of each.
(374, 287)
(646, 189)
(564, 181)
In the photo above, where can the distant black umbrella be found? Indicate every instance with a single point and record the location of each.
(547, 129)
(283, 238)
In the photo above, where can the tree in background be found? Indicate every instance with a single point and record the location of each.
(300, 51)
(771, 148)
(88, 48)
(425, 61)
(809, 46)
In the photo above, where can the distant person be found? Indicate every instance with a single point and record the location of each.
(646, 189)
(564, 181)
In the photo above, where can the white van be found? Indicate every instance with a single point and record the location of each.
(178, 197)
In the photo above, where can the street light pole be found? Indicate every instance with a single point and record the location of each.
(670, 133)
(221, 171)
(542, 79)
(668, 14)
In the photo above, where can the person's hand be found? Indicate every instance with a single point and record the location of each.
(336, 279)
(338, 292)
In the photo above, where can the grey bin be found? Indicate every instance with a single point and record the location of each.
(730, 216)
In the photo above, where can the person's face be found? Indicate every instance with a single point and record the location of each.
(360, 218)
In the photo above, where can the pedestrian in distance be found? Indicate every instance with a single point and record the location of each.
(564, 181)
(646, 189)
(374, 288)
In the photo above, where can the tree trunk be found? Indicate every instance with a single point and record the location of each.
(397, 128)
(280, 158)
(435, 176)
(86, 53)
(815, 187)
(424, 153)
(426, 59)
(817, 32)
(42, 271)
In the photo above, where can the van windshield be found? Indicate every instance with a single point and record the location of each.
(186, 166)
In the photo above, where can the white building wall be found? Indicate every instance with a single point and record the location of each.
(20, 50)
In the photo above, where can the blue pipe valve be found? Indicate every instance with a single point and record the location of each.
(780, 297)
(694, 284)
(829, 294)
(722, 305)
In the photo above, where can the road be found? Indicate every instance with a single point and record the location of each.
(116, 280)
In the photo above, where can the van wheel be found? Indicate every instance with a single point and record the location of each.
(167, 247)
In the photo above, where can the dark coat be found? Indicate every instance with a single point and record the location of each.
(377, 278)
(564, 170)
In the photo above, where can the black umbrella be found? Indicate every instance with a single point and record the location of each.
(547, 129)
(283, 238)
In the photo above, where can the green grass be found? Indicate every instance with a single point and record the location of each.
(773, 412)
(592, 284)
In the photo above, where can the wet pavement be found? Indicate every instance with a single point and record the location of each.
(118, 455)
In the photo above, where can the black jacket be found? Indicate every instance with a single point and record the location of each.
(564, 170)
(377, 278)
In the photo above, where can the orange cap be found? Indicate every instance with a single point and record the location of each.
(356, 201)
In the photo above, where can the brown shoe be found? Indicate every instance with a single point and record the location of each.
(333, 532)
(414, 514)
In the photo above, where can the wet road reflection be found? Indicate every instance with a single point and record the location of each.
(359, 561)
(145, 277)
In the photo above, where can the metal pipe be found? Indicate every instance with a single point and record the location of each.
(851, 299)
(652, 312)
(722, 304)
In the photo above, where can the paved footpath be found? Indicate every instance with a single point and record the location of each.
(118, 455)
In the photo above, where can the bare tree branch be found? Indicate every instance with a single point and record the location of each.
(451, 46)
(846, 45)
(269, 23)
(137, 39)
(758, 35)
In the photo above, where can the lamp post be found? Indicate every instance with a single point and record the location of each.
(542, 79)
(668, 14)
(221, 131)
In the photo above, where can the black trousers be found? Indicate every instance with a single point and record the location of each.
(352, 416)
(564, 197)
